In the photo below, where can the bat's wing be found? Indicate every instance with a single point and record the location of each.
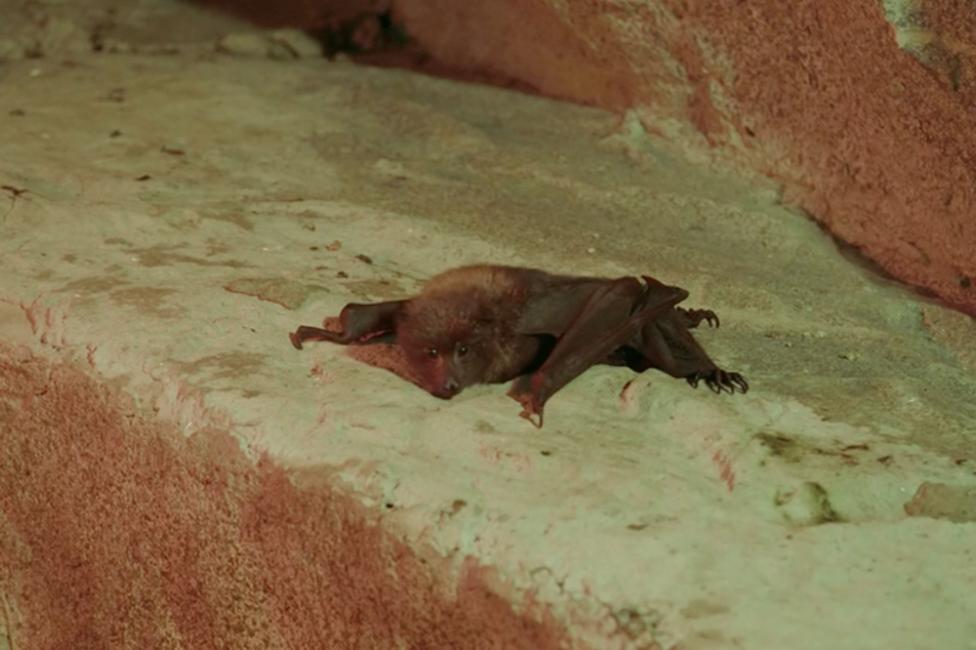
(360, 323)
(611, 314)
(555, 302)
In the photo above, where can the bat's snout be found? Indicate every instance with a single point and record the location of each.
(445, 390)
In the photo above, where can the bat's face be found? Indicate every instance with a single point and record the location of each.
(450, 340)
(447, 346)
(446, 367)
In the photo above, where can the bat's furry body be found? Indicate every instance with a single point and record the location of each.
(489, 324)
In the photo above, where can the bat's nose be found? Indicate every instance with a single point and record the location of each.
(446, 390)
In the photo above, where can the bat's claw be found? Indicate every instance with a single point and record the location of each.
(713, 383)
(696, 316)
(531, 408)
(528, 415)
(295, 339)
(739, 381)
(719, 380)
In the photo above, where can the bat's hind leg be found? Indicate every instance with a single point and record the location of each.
(666, 344)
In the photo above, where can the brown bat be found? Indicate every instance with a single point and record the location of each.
(488, 324)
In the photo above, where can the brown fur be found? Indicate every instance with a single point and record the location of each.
(478, 305)
(452, 301)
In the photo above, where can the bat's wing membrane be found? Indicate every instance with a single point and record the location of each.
(555, 303)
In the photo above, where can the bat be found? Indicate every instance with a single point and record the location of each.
(485, 324)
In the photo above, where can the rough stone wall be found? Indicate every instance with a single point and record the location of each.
(862, 109)
(309, 14)
(875, 143)
(947, 31)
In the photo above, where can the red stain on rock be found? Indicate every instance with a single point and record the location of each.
(627, 393)
(118, 532)
(726, 471)
(386, 356)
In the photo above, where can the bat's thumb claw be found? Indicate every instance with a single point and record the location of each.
(530, 406)
(295, 341)
(527, 415)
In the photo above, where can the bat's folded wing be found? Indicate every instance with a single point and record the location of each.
(554, 305)
(607, 318)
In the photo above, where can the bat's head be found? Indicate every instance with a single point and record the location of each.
(449, 343)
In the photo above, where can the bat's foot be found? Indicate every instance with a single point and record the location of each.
(720, 380)
(694, 317)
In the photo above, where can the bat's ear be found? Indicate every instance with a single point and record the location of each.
(658, 292)
(653, 282)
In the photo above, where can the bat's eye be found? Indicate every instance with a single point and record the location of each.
(463, 350)
(432, 353)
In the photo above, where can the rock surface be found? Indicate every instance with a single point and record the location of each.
(178, 475)
(876, 142)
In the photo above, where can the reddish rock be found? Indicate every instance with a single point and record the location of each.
(876, 142)
(948, 40)
(116, 532)
(816, 94)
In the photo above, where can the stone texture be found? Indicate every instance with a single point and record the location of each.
(118, 532)
(177, 474)
(950, 502)
(308, 14)
(67, 29)
(862, 110)
(814, 94)
(244, 44)
(300, 44)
